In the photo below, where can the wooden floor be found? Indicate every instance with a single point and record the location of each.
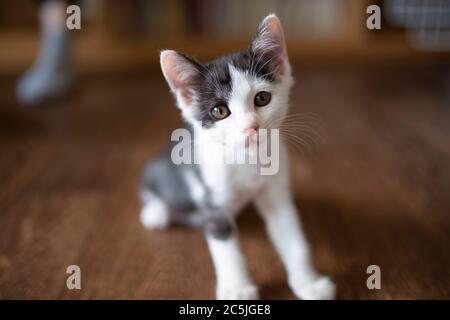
(376, 190)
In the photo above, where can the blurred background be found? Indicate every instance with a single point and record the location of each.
(83, 110)
(117, 35)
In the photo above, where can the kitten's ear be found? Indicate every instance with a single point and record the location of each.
(269, 42)
(181, 73)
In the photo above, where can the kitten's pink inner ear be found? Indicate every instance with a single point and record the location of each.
(169, 67)
(178, 71)
(275, 29)
(269, 41)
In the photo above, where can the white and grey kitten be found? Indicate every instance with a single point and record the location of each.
(227, 100)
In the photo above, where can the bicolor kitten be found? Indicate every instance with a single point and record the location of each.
(226, 100)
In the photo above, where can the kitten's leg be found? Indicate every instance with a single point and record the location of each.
(154, 214)
(233, 281)
(284, 228)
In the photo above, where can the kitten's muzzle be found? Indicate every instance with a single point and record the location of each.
(251, 130)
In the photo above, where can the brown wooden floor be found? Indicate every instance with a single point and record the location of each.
(376, 191)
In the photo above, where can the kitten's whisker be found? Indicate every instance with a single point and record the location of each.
(302, 117)
(265, 76)
(264, 64)
(302, 114)
(312, 135)
(308, 132)
(303, 121)
(252, 62)
(217, 85)
(296, 118)
(306, 143)
(298, 146)
(308, 126)
(302, 126)
(305, 146)
(260, 56)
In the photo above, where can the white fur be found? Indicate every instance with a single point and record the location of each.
(196, 189)
(274, 202)
(154, 214)
(233, 281)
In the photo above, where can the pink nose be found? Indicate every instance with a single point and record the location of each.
(252, 129)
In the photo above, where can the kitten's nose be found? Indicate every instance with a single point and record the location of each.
(251, 130)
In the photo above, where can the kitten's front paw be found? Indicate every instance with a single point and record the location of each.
(321, 288)
(154, 216)
(244, 292)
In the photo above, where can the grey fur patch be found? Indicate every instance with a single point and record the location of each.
(218, 226)
(166, 180)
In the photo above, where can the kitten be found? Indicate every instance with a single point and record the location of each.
(226, 103)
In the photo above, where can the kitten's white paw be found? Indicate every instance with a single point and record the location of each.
(154, 215)
(244, 292)
(321, 288)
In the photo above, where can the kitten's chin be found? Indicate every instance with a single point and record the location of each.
(250, 142)
(255, 147)
(251, 145)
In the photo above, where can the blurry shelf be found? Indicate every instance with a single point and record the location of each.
(96, 55)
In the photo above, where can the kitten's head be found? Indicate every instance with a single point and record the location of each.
(233, 96)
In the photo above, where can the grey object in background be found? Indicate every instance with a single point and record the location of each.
(427, 22)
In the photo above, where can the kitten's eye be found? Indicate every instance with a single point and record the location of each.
(262, 98)
(220, 112)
